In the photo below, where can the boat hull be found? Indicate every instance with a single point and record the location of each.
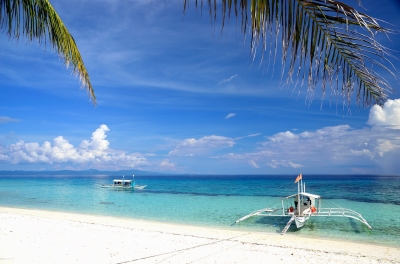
(119, 188)
(123, 188)
(300, 221)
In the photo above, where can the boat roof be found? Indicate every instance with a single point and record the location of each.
(122, 180)
(306, 194)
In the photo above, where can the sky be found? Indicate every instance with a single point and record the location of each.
(177, 95)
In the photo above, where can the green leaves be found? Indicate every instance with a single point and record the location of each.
(37, 19)
(327, 41)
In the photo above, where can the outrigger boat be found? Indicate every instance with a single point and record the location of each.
(301, 206)
(124, 184)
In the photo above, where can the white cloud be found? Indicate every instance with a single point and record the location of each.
(337, 144)
(253, 135)
(93, 152)
(98, 141)
(294, 165)
(254, 164)
(6, 119)
(166, 164)
(284, 136)
(230, 115)
(283, 163)
(228, 79)
(331, 146)
(388, 115)
(192, 147)
(384, 145)
(248, 136)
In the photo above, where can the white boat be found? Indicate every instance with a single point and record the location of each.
(301, 206)
(123, 184)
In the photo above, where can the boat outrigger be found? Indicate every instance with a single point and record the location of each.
(301, 206)
(124, 184)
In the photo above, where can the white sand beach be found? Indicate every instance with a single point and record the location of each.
(34, 236)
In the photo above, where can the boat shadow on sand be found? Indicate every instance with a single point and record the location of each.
(276, 223)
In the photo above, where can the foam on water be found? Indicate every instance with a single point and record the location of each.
(217, 201)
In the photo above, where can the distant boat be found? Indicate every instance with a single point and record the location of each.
(301, 206)
(123, 184)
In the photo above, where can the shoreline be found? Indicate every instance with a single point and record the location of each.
(69, 215)
(38, 236)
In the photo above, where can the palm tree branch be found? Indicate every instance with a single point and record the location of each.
(37, 19)
(324, 39)
(349, 50)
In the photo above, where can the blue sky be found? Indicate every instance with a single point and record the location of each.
(177, 96)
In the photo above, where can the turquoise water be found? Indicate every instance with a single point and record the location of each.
(217, 201)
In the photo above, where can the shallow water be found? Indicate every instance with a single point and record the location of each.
(217, 201)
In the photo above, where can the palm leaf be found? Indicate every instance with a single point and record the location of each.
(37, 19)
(325, 40)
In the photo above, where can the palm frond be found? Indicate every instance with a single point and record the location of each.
(37, 19)
(326, 40)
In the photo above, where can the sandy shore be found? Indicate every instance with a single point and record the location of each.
(32, 236)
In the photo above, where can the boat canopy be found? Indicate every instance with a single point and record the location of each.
(305, 194)
(122, 180)
(310, 195)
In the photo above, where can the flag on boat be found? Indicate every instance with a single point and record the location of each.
(299, 177)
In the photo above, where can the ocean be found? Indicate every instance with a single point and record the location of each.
(218, 201)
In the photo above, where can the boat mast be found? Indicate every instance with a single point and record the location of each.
(298, 197)
(301, 185)
(298, 186)
(299, 181)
